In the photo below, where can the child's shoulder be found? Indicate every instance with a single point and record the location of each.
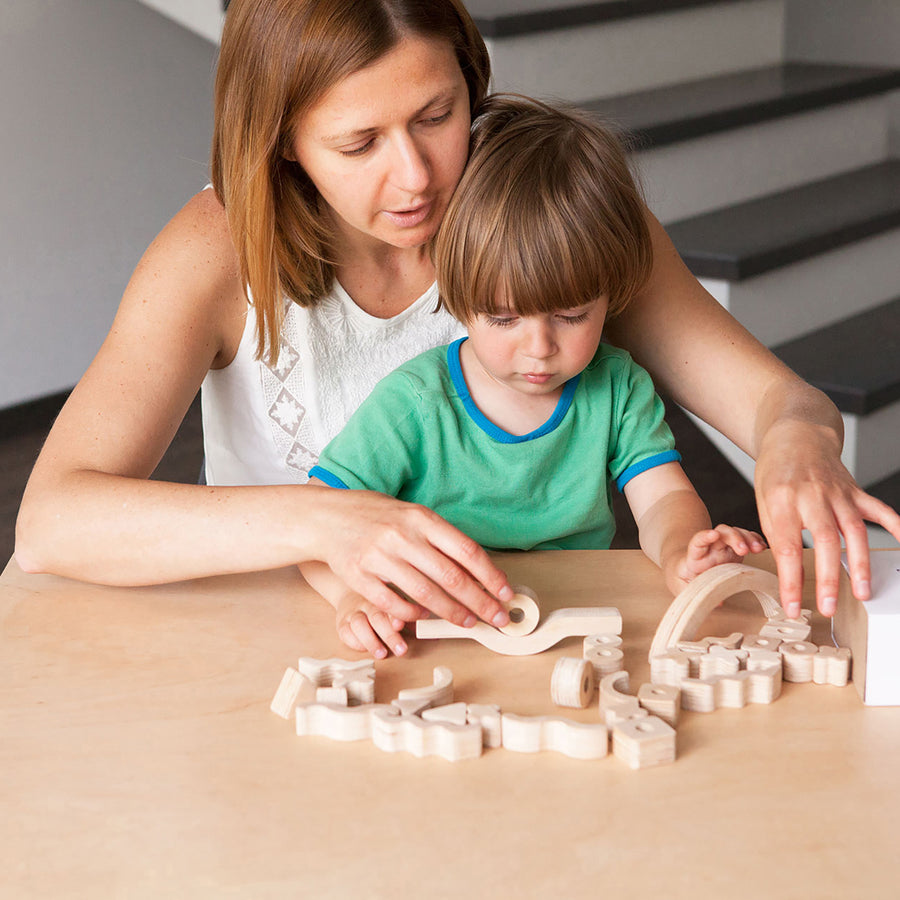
(429, 371)
(608, 358)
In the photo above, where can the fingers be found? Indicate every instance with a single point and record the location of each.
(373, 632)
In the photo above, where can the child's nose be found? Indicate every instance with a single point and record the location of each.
(540, 342)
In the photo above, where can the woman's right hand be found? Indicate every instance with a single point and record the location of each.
(404, 558)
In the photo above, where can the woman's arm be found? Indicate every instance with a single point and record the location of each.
(709, 364)
(89, 511)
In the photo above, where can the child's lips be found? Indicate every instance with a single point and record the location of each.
(537, 377)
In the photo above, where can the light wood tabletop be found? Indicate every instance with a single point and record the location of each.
(139, 758)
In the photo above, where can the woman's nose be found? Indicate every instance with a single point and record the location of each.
(411, 172)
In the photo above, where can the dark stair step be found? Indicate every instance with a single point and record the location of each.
(856, 361)
(506, 18)
(759, 235)
(695, 108)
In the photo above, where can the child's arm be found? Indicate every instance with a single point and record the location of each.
(360, 624)
(674, 527)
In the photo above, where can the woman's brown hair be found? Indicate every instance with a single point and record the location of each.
(278, 58)
(547, 215)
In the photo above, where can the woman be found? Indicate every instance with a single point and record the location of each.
(341, 131)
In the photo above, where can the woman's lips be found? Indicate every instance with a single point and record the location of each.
(409, 218)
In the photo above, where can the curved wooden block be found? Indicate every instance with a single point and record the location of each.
(560, 624)
(340, 723)
(531, 734)
(439, 693)
(706, 592)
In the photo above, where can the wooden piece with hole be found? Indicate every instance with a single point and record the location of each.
(524, 612)
(662, 700)
(704, 593)
(797, 660)
(559, 624)
(572, 682)
(615, 704)
(640, 743)
(604, 653)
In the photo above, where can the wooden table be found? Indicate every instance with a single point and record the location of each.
(139, 759)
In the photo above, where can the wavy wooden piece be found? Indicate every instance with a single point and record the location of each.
(531, 734)
(559, 624)
(340, 723)
(706, 592)
(409, 733)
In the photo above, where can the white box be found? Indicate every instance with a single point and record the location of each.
(871, 629)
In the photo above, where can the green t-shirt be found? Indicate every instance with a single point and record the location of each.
(420, 437)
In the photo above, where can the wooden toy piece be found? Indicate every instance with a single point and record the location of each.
(797, 659)
(293, 688)
(524, 612)
(559, 624)
(359, 685)
(357, 677)
(720, 661)
(764, 683)
(704, 645)
(670, 667)
(698, 694)
(336, 696)
(782, 616)
(704, 593)
(410, 733)
(572, 683)
(615, 704)
(439, 693)
(604, 653)
(732, 690)
(340, 723)
(760, 642)
(452, 714)
(831, 665)
(761, 659)
(531, 734)
(662, 700)
(640, 743)
(786, 630)
(489, 717)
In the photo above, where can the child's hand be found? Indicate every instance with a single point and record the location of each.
(722, 544)
(363, 626)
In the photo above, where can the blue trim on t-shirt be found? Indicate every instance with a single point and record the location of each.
(651, 462)
(326, 476)
(484, 423)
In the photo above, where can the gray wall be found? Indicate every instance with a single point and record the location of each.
(863, 32)
(106, 121)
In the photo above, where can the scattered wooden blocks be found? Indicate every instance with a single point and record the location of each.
(661, 700)
(670, 667)
(531, 734)
(572, 682)
(358, 678)
(640, 743)
(412, 734)
(786, 630)
(451, 714)
(759, 642)
(719, 661)
(731, 642)
(615, 704)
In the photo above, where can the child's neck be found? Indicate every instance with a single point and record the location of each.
(516, 413)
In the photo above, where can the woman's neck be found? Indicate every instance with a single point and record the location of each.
(386, 280)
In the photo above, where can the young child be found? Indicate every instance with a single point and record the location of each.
(514, 433)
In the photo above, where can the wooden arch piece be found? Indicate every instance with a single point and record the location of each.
(705, 592)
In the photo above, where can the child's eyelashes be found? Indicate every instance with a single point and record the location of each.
(506, 321)
(575, 320)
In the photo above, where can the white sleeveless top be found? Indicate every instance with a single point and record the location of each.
(267, 424)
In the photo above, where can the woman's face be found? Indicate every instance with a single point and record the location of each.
(387, 145)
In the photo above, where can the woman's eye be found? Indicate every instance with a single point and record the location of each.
(359, 151)
(436, 120)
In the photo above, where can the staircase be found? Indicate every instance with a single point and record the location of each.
(773, 177)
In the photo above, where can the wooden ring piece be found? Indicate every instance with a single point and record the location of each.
(524, 612)
(705, 592)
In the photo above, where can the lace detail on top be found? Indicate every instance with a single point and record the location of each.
(331, 357)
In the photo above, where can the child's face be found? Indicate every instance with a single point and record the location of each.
(537, 355)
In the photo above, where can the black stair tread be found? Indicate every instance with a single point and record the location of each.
(506, 18)
(856, 361)
(696, 108)
(887, 490)
(759, 235)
